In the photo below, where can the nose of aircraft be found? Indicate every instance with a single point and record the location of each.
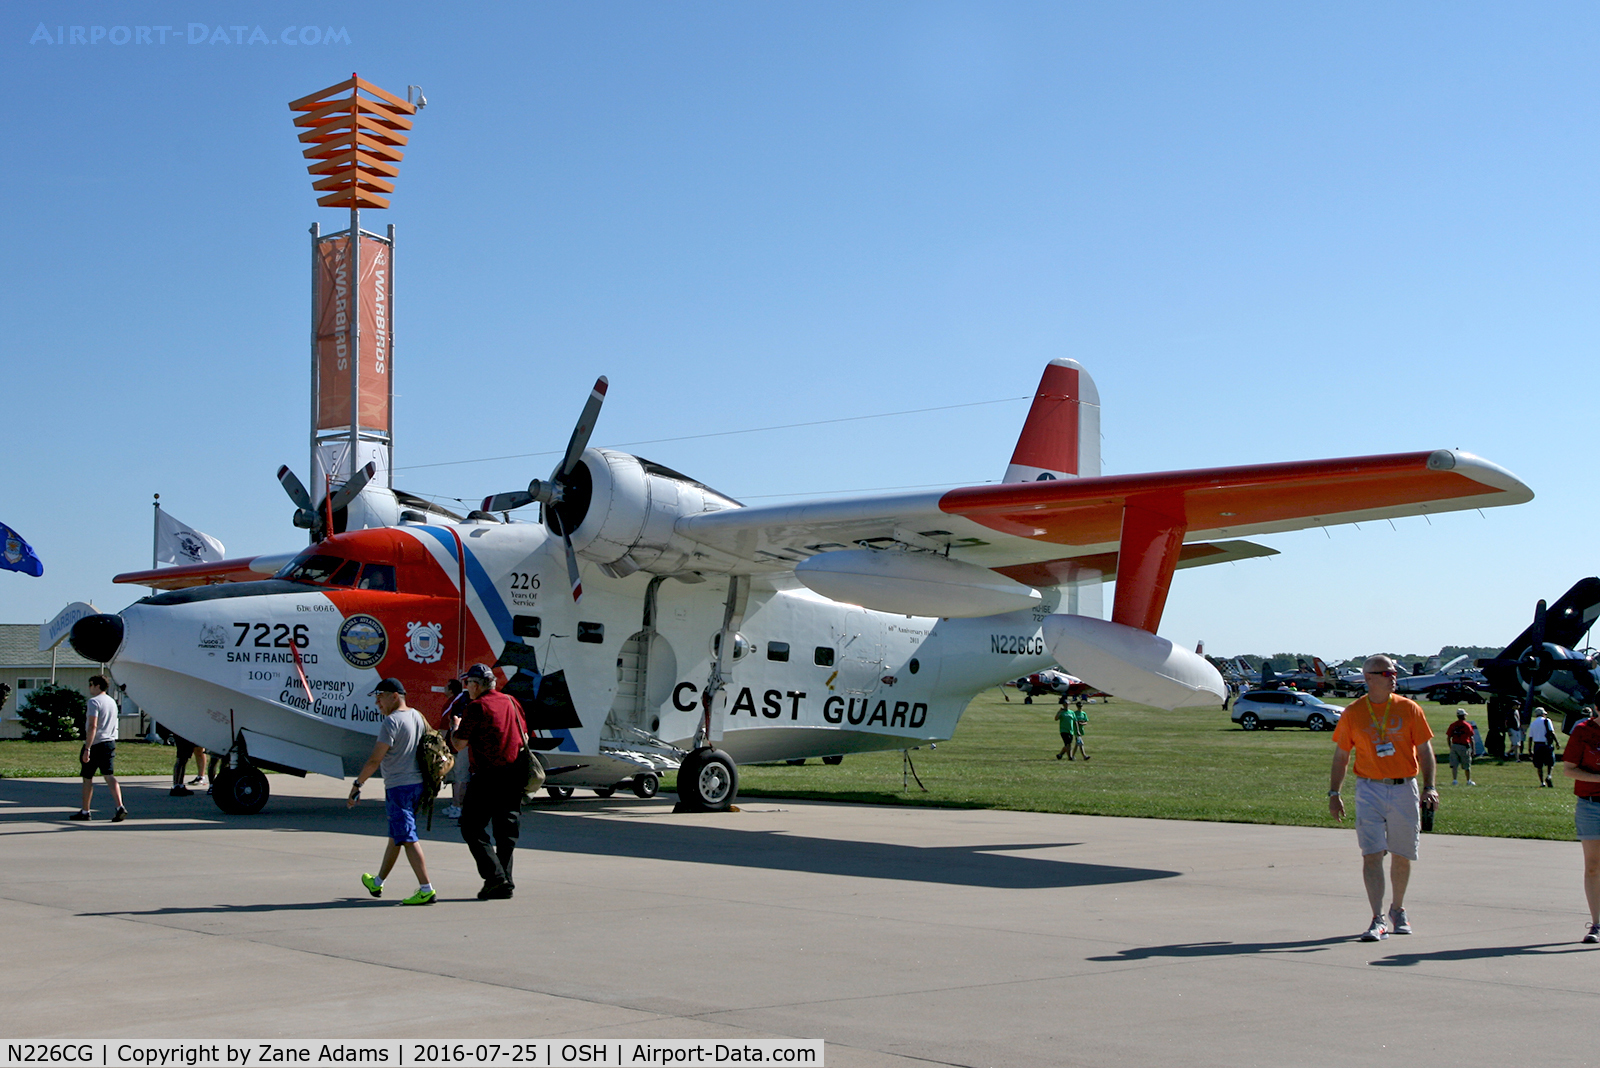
(97, 638)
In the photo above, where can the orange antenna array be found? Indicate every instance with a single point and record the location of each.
(355, 140)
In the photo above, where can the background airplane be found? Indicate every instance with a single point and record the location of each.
(1541, 666)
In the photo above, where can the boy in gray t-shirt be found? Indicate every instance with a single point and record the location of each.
(396, 755)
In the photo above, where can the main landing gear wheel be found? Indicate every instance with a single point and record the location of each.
(646, 785)
(241, 791)
(1249, 721)
(708, 781)
(604, 791)
(837, 758)
(560, 793)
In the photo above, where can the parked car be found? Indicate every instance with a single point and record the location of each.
(1272, 708)
(1454, 693)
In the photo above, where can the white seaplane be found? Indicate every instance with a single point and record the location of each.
(647, 621)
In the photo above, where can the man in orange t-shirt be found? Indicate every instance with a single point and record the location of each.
(1392, 742)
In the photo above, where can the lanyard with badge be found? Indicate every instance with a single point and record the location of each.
(1378, 732)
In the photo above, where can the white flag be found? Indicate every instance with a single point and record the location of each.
(179, 543)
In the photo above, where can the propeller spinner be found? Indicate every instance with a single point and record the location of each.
(569, 481)
(306, 515)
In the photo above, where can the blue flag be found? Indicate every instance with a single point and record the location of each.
(16, 554)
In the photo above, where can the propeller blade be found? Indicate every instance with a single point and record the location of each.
(581, 432)
(572, 558)
(572, 570)
(351, 489)
(294, 488)
(1537, 651)
(508, 502)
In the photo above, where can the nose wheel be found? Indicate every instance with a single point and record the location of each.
(241, 791)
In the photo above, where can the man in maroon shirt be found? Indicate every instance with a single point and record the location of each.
(1581, 762)
(492, 728)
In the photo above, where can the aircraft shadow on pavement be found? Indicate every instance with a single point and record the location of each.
(963, 865)
(1221, 949)
(716, 841)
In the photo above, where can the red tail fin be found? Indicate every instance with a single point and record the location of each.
(1061, 437)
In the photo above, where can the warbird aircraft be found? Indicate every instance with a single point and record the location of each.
(647, 620)
(1541, 666)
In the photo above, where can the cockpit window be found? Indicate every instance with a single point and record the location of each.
(311, 567)
(346, 575)
(377, 577)
(320, 569)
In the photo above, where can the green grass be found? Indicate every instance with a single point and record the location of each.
(1185, 765)
(48, 760)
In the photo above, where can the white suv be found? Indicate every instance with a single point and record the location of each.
(1270, 708)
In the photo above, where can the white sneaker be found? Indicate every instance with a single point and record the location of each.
(453, 812)
(1375, 932)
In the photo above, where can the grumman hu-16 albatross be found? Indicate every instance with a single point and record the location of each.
(648, 621)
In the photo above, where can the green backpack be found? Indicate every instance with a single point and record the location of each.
(434, 760)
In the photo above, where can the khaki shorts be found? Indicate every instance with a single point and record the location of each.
(1388, 817)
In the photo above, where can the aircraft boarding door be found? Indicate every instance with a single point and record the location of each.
(628, 709)
(646, 671)
(859, 656)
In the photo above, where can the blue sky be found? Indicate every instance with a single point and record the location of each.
(1271, 232)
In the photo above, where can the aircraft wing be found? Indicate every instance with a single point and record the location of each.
(1052, 531)
(239, 569)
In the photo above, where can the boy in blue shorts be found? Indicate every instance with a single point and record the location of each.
(396, 755)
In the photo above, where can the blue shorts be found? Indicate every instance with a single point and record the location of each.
(401, 804)
(1587, 818)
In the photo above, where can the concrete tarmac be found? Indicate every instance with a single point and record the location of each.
(900, 936)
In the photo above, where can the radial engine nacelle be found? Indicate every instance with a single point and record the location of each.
(621, 512)
(1132, 663)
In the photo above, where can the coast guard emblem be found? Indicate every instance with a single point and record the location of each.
(362, 641)
(424, 642)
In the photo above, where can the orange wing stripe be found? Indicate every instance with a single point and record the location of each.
(1089, 510)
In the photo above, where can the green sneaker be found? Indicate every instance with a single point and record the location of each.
(374, 887)
(421, 897)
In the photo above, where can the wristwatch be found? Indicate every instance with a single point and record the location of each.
(1333, 793)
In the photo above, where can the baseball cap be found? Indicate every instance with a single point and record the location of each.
(479, 672)
(389, 686)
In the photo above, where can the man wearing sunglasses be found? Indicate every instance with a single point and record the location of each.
(1392, 743)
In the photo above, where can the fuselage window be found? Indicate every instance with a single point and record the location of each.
(824, 656)
(525, 626)
(778, 651)
(377, 577)
(594, 633)
(914, 666)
